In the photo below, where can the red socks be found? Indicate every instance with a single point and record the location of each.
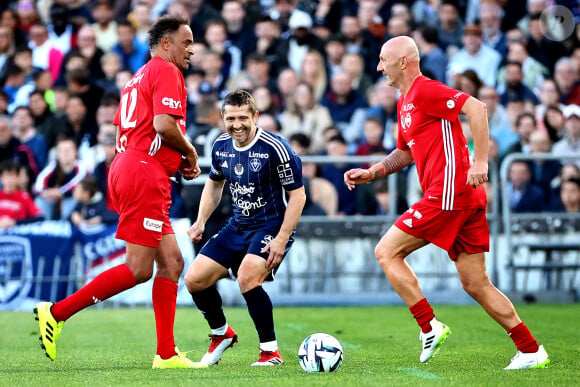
(423, 313)
(103, 286)
(523, 339)
(164, 298)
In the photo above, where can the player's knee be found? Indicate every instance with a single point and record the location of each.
(193, 282)
(248, 281)
(142, 274)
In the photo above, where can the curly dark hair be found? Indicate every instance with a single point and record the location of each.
(165, 25)
(240, 98)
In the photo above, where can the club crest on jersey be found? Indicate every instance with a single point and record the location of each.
(239, 169)
(450, 104)
(407, 122)
(267, 239)
(255, 165)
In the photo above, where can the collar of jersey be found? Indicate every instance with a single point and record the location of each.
(258, 133)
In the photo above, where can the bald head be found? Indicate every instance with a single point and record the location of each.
(401, 46)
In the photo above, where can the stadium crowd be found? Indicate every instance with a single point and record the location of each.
(311, 66)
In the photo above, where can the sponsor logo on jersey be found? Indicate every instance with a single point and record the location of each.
(225, 164)
(456, 96)
(408, 222)
(239, 191)
(408, 107)
(133, 81)
(255, 165)
(450, 104)
(224, 154)
(173, 104)
(408, 120)
(259, 155)
(239, 169)
(267, 239)
(285, 174)
(152, 224)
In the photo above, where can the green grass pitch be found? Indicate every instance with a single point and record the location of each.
(116, 347)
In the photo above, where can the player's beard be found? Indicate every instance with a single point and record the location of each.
(241, 138)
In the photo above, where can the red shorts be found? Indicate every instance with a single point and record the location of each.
(454, 231)
(141, 194)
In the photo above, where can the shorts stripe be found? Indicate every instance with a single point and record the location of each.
(449, 180)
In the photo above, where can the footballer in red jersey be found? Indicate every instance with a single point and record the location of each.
(451, 214)
(151, 147)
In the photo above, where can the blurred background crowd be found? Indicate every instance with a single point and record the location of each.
(311, 66)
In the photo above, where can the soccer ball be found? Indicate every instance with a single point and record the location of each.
(320, 352)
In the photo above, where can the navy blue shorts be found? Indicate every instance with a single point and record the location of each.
(229, 246)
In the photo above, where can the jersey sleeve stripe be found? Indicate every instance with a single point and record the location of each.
(449, 178)
(277, 145)
(222, 137)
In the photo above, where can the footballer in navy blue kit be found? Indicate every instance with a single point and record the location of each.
(264, 177)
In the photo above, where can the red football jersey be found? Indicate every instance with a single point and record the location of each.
(156, 88)
(17, 205)
(429, 127)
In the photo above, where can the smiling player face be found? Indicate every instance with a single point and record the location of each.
(240, 123)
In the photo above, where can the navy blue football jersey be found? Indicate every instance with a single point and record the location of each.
(258, 176)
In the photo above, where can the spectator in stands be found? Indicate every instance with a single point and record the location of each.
(313, 72)
(386, 111)
(267, 33)
(328, 13)
(533, 71)
(548, 95)
(373, 143)
(200, 13)
(353, 65)
(287, 81)
(567, 80)
(16, 206)
(304, 115)
(44, 54)
(105, 27)
(361, 42)
(321, 196)
(449, 26)
(554, 123)
(43, 119)
(301, 41)
(569, 200)
(570, 144)
(87, 47)
(133, 54)
(111, 65)
(55, 183)
(491, 15)
(9, 19)
(499, 123)
(4, 99)
(12, 149)
(469, 82)
(269, 123)
(216, 37)
(545, 50)
(80, 83)
(524, 196)
(16, 88)
(337, 146)
(26, 132)
(91, 208)
(101, 170)
(27, 15)
(140, 17)
(476, 56)
(397, 26)
(77, 125)
(533, 7)
(380, 202)
(433, 59)
(525, 126)
(62, 32)
(342, 102)
(334, 48)
(239, 33)
(300, 143)
(258, 67)
(543, 171)
(514, 86)
(6, 50)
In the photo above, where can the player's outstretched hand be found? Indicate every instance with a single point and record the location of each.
(189, 168)
(477, 174)
(196, 231)
(356, 176)
(276, 247)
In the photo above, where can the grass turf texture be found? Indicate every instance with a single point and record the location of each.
(116, 347)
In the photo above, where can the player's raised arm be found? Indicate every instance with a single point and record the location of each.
(394, 162)
(476, 113)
